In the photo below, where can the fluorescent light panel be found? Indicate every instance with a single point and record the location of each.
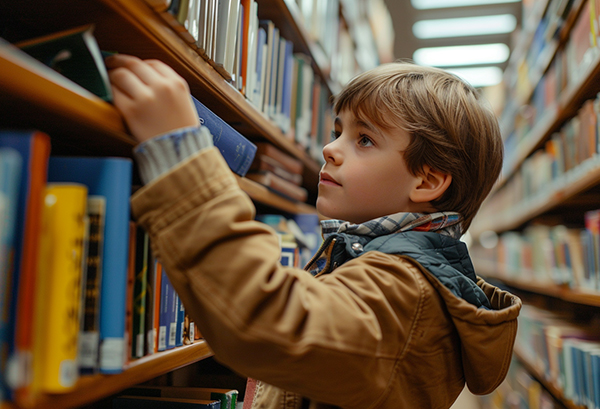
(438, 4)
(465, 26)
(480, 76)
(460, 55)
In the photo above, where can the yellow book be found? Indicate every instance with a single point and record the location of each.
(58, 301)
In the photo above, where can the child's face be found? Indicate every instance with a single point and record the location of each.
(364, 175)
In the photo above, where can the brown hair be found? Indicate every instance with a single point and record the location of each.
(452, 128)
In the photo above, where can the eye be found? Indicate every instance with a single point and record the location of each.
(365, 141)
(335, 134)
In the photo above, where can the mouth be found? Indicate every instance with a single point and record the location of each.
(327, 179)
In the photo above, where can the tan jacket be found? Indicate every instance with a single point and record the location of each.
(378, 332)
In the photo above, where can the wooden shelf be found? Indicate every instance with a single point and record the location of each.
(588, 298)
(36, 96)
(557, 393)
(580, 181)
(94, 387)
(263, 195)
(133, 27)
(568, 104)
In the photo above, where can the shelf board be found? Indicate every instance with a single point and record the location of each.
(36, 96)
(518, 215)
(557, 393)
(262, 194)
(589, 298)
(94, 387)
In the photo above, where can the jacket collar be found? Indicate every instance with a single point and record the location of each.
(445, 223)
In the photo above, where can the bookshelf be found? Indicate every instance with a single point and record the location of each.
(545, 190)
(80, 123)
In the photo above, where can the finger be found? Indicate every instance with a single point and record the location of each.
(127, 82)
(145, 73)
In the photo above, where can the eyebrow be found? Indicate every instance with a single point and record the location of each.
(360, 123)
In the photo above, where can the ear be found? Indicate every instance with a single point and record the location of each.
(432, 185)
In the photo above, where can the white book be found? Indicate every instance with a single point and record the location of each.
(221, 22)
(260, 86)
(202, 24)
(231, 35)
(252, 51)
(237, 61)
(191, 20)
(274, 72)
(278, 103)
(210, 21)
(266, 84)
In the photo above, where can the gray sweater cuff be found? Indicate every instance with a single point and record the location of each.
(159, 154)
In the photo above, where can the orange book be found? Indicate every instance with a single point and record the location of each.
(38, 170)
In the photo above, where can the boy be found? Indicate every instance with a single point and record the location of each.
(393, 315)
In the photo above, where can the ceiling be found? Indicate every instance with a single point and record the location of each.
(404, 16)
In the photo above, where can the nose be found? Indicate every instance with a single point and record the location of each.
(332, 153)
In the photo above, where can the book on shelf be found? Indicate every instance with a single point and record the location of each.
(147, 402)
(58, 291)
(75, 54)
(109, 177)
(271, 94)
(226, 22)
(153, 313)
(236, 149)
(129, 289)
(269, 28)
(18, 304)
(167, 329)
(11, 163)
(227, 397)
(267, 163)
(143, 262)
(89, 333)
(287, 161)
(257, 93)
(279, 185)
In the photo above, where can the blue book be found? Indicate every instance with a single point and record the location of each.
(11, 164)
(147, 402)
(180, 321)
(167, 324)
(237, 151)
(111, 178)
(595, 358)
(18, 297)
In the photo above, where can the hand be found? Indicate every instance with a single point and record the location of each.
(152, 98)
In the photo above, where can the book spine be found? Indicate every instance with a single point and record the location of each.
(89, 337)
(165, 311)
(58, 299)
(139, 293)
(237, 151)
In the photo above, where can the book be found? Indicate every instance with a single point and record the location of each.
(11, 163)
(109, 177)
(269, 28)
(57, 297)
(227, 397)
(167, 328)
(180, 310)
(261, 61)
(236, 149)
(264, 162)
(18, 312)
(89, 336)
(153, 317)
(75, 54)
(132, 247)
(279, 185)
(287, 161)
(147, 402)
(143, 262)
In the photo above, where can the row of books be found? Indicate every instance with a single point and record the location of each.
(565, 353)
(546, 254)
(520, 390)
(258, 61)
(569, 63)
(569, 154)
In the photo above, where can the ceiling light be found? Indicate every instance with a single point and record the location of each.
(464, 26)
(462, 55)
(437, 4)
(480, 76)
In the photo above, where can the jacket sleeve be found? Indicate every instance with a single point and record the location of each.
(319, 337)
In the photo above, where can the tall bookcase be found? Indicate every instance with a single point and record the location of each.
(529, 234)
(80, 124)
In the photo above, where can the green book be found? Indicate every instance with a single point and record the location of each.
(75, 54)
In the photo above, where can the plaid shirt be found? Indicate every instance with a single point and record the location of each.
(446, 223)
